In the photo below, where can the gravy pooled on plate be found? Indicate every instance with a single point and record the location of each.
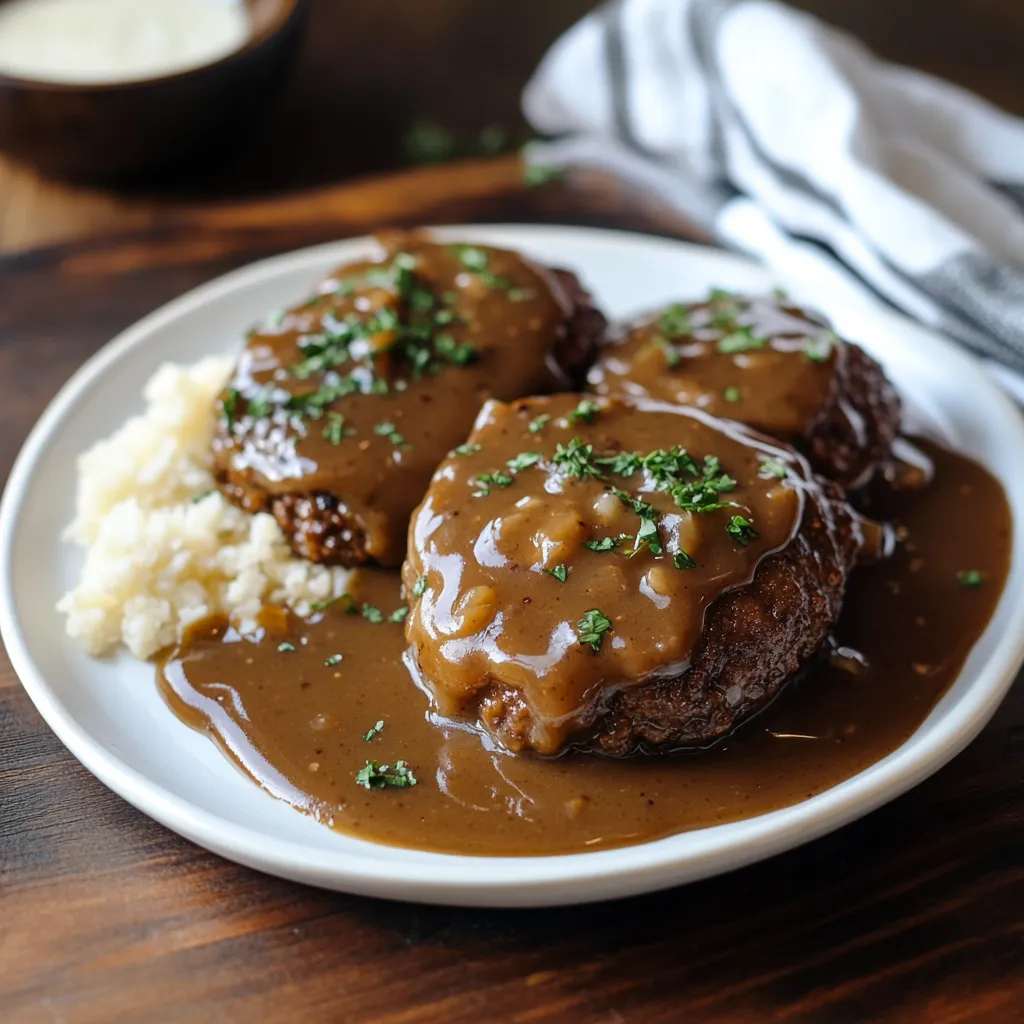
(306, 730)
(340, 408)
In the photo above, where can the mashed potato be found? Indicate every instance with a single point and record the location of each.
(162, 547)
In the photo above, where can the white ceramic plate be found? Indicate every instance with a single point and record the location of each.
(113, 720)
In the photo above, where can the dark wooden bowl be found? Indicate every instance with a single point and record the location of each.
(113, 132)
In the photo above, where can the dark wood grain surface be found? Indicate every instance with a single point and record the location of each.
(371, 71)
(915, 913)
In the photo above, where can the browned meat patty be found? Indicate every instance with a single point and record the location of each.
(754, 640)
(770, 364)
(615, 574)
(340, 408)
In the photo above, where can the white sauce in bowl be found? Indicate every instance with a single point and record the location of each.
(104, 41)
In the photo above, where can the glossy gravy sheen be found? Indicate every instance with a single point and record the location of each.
(763, 362)
(360, 390)
(296, 724)
(497, 636)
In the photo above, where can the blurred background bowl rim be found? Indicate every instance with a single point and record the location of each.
(288, 12)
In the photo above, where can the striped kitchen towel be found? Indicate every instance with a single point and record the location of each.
(789, 140)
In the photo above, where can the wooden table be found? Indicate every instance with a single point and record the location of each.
(370, 71)
(912, 914)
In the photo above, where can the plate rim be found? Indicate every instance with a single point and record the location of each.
(445, 878)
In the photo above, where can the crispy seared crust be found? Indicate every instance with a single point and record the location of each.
(854, 435)
(754, 641)
(577, 349)
(316, 526)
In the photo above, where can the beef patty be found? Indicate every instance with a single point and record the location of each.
(619, 574)
(768, 363)
(340, 408)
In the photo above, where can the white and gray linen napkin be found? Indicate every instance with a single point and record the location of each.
(789, 140)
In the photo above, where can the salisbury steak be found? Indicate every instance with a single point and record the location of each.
(340, 408)
(768, 363)
(617, 575)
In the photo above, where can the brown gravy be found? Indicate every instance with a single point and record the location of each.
(296, 724)
(776, 377)
(497, 636)
(352, 394)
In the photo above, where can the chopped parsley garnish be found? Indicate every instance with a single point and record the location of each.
(457, 354)
(742, 339)
(346, 599)
(399, 614)
(335, 429)
(694, 487)
(367, 611)
(773, 467)
(471, 257)
(592, 628)
(477, 262)
(466, 449)
(622, 464)
(681, 560)
(675, 320)
(731, 394)
(560, 572)
(420, 586)
(401, 271)
(969, 578)
(524, 460)
(199, 497)
(537, 425)
(285, 646)
(390, 431)
(229, 406)
(374, 730)
(259, 405)
(819, 348)
(378, 776)
(312, 404)
(725, 308)
(648, 533)
(583, 413)
(535, 175)
(408, 331)
(485, 481)
(666, 468)
(703, 495)
(333, 659)
(322, 352)
(741, 530)
(574, 459)
(672, 355)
